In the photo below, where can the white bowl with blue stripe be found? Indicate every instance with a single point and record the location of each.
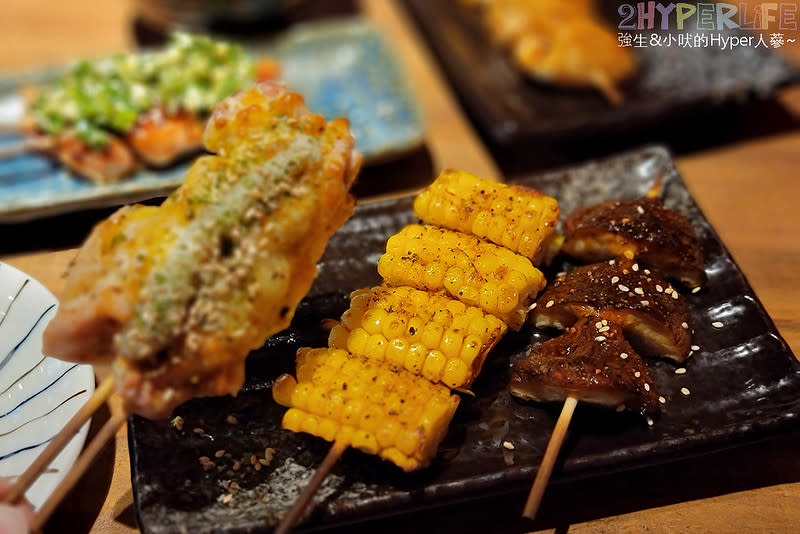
(38, 394)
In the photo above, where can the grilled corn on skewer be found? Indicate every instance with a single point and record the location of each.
(520, 219)
(440, 338)
(477, 273)
(373, 406)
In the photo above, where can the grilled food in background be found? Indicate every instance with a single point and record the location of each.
(443, 305)
(561, 43)
(177, 295)
(105, 118)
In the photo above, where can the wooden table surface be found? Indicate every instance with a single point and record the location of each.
(748, 189)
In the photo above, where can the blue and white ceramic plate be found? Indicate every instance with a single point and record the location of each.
(342, 68)
(38, 394)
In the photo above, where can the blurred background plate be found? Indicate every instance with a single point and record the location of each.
(744, 383)
(675, 85)
(342, 67)
(38, 394)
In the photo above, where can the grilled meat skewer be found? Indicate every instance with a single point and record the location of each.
(659, 238)
(591, 361)
(654, 316)
(177, 295)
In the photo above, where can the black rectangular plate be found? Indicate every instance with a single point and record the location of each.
(744, 383)
(674, 85)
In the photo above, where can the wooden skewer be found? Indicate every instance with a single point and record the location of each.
(32, 144)
(550, 455)
(288, 521)
(59, 441)
(107, 432)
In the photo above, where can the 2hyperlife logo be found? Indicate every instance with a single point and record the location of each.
(708, 24)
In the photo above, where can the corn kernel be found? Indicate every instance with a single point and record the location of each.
(372, 321)
(470, 350)
(451, 343)
(408, 441)
(338, 337)
(455, 374)
(431, 335)
(396, 351)
(352, 411)
(387, 434)
(415, 357)
(300, 395)
(357, 342)
(310, 424)
(365, 441)
(433, 366)
(327, 429)
(375, 347)
(283, 388)
(293, 419)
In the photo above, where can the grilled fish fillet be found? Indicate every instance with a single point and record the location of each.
(177, 295)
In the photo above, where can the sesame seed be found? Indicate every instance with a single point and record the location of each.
(220, 453)
(598, 324)
(662, 400)
(647, 271)
(649, 421)
(604, 321)
(232, 420)
(680, 371)
(646, 386)
(668, 290)
(637, 374)
(604, 329)
(635, 267)
(549, 303)
(645, 302)
(624, 355)
(611, 262)
(621, 408)
(717, 324)
(623, 288)
(199, 431)
(659, 288)
(640, 210)
(685, 391)
(685, 325)
(638, 291)
(695, 347)
(600, 338)
(615, 280)
(695, 290)
(508, 445)
(532, 306)
(675, 295)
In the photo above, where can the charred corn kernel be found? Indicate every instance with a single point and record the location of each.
(428, 322)
(433, 366)
(520, 219)
(382, 409)
(415, 358)
(476, 272)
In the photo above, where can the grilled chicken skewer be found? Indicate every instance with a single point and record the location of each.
(561, 43)
(177, 295)
(105, 118)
